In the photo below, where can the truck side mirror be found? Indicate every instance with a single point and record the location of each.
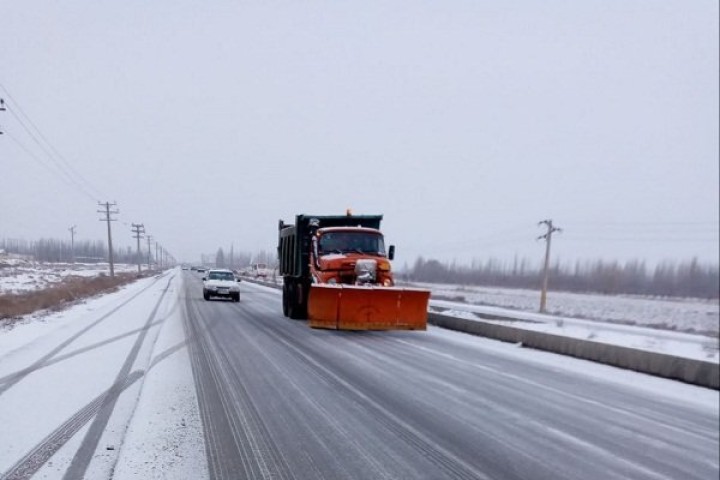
(391, 252)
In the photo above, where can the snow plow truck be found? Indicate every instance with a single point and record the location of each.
(337, 275)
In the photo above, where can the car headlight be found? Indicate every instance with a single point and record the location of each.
(332, 281)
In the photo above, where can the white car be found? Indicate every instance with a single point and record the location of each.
(220, 283)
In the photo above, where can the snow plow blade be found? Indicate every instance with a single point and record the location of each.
(347, 307)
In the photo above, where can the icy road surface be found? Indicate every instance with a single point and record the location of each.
(154, 382)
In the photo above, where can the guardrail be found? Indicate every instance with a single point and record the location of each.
(696, 372)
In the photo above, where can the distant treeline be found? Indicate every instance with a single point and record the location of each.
(61, 251)
(676, 279)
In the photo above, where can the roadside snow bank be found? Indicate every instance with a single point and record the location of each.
(165, 436)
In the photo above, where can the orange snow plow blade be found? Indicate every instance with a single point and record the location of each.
(346, 307)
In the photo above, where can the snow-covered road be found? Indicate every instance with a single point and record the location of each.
(154, 382)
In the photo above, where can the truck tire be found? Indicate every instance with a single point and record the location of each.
(285, 299)
(297, 309)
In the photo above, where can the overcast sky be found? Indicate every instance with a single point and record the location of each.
(463, 122)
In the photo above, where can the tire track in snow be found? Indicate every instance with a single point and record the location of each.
(29, 464)
(84, 454)
(40, 363)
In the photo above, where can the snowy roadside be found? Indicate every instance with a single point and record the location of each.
(17, 276)
(687, 315)
(698, 347)
(165, 438)
(71, 381)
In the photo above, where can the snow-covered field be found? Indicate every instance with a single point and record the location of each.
(681, 315)
(682, 327)
(18, 275)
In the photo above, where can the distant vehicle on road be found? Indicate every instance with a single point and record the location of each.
(259, 270)
(221, 283)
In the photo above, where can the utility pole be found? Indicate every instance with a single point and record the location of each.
(157, 256)
(548, 238)
(109, 219)
(149, 239)
(138, 229)
(72, 242)
(2, 109)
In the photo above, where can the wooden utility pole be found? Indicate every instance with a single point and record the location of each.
(2, 109)
(138, 229)
(546, 269)
(72, 243)
(109, 219)
(149, 239)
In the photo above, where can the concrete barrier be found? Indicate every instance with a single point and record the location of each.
(696, 372)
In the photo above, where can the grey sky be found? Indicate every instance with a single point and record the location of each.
(464, 122)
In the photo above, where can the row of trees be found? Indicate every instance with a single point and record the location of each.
(237, 259)
(61, 251)
(678, 279)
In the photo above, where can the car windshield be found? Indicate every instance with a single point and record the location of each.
(346, 242)
(221, 276)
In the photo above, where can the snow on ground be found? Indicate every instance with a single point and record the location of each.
(64, 384)
(698, 347)
(165, 437)
(682, 315)
(654, 324)
(18, 275)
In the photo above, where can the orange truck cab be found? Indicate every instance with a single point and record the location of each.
(350, 256)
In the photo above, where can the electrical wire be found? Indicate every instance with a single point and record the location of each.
(63, 165)
(68, 180)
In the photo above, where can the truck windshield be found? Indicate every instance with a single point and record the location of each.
(347, 242)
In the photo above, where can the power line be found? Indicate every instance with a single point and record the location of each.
(63, 165)
(644, 223)
(68, 180)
